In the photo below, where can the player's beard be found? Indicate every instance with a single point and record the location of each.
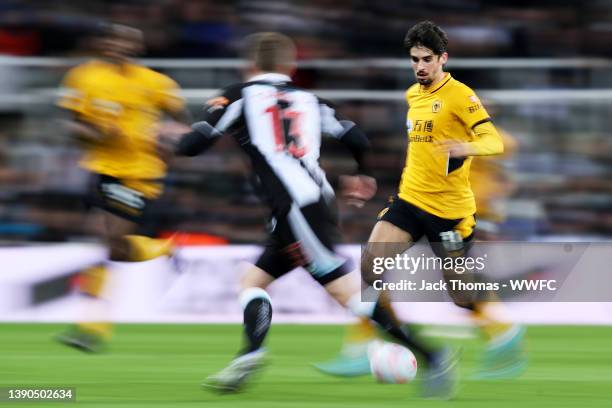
(425, 81)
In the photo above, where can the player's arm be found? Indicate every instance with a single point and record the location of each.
(75, 110)
(79, 129)
(181, 115)
(171, 102)
(360, 187)
(347, 133)
(221, 115)
(83, 130)
(485, 140)
(201, 137)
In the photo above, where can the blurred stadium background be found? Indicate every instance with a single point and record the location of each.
(539, 65)
(543, 68)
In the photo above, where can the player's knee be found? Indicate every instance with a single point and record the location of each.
(119, 249)
(367, 266)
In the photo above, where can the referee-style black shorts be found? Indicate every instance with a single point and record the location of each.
(304, 237)
(446, 236)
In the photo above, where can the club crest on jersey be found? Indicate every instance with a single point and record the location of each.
(473, 99)
(437, 105)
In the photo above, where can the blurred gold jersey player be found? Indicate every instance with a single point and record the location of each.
(446, 125)
(116, 106)
(124, 103)
(492, 183)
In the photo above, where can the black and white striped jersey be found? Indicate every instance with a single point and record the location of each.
(279, 126)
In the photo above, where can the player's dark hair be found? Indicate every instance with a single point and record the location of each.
(123, 31)
(426, 34)
(269, 51)
(104, 31)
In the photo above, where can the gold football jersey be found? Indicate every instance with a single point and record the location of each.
(431, 180)
(125, 103)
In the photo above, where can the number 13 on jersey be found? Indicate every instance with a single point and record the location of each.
(287, 128)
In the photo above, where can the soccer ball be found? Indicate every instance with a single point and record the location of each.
(392, 363)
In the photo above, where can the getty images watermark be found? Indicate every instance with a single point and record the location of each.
(515, 271)
(456, 265)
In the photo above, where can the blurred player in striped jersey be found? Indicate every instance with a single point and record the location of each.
(114, 107)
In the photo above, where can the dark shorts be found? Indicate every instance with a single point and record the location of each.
(304, 237)
(113, 195)
(446, 236)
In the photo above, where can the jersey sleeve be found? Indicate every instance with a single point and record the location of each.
(468, 108)
(487, 140)
(73, 92)
(224, 110)
(346, 132)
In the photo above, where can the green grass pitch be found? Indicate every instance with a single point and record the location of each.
(163, 365)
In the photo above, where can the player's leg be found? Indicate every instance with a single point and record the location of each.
(257, 307)
(439, 378)
(94, 330)
(504, 355)
(95, 326)
(280, 256)
(352, 360)
(257, 317)
(347, 291)
(396, 225)
(143, 248)
(130, 200)
(119, 211)
(353, 357)
(332, 272)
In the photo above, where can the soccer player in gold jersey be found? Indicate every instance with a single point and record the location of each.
(115, 107)
(447, 125)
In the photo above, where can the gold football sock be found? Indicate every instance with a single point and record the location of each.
(144, 248)
(360, 332)
(100, 329)
(93, 280)
(491, 323)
